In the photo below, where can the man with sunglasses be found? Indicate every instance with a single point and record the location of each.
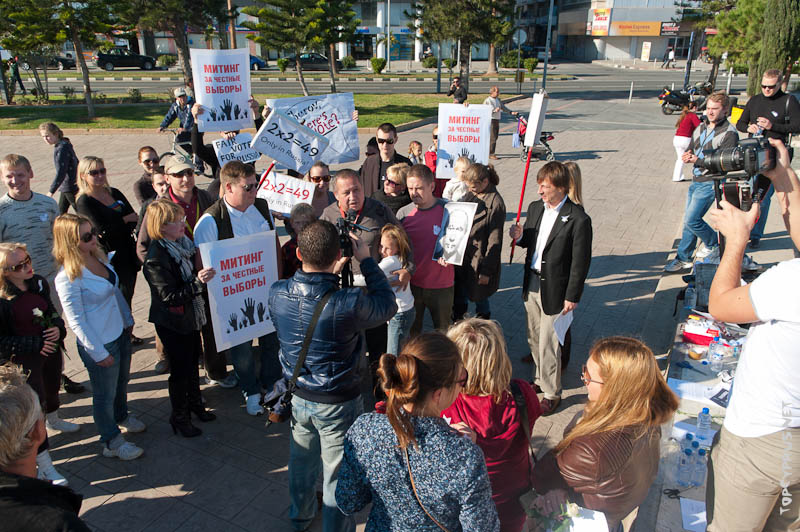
(373, 171)
(775, 115)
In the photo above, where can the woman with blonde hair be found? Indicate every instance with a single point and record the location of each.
(609, 455)
(419, 473)
(32, 335)
(395, 249)
(112, 215)
(496, 408)
(101, 319)
(575, 191)
(66, 163)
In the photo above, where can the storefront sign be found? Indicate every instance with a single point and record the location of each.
(600, 22)
(635, 29)
(669, 29)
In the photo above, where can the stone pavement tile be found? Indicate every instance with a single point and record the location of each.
(178, 514)
(270, 507)
(226, 492)
(131, 510)
(99, 474)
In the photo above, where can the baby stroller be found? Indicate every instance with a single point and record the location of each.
(542, 150)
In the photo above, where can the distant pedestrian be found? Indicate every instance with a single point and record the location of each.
(493, 100)
(66, 163)
(686, 124)
(671, 58)
(15, 78)
(457, 91)
(665, 57)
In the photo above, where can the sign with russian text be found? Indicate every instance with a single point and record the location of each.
(330, 115)
(246, 268)
(236, 149)
(222, 87)
(463, 132)
(283, 192)
(289, 142)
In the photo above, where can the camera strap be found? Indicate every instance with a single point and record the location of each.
(301, 358)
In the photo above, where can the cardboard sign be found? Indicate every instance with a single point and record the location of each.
(283, 192)
(330, 115)
(454, 236)
(536, 119)
(463, 131)
(246, 268)
(236, 149)
(222, 87)
(289, 142)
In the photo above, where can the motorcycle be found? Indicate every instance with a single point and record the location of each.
(672, 101)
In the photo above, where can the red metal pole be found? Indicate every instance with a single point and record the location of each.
(521, 199)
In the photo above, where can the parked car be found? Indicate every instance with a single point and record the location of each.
(526, 50)
(312, 61)
(122, 57)
(256, 63)
(540, 53)
(59, 61)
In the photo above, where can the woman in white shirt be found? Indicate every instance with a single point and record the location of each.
(97, 313)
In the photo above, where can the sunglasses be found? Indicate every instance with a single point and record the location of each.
(586, 378)
(769, 86)
(463, 381)
(87, 237)
(435, 137)
(180, 221)
(392, 183)
(320, 178)
(97, 171)
(183, 173)
(150, 161)
(21, 266)
(386, 141)
(251, 186)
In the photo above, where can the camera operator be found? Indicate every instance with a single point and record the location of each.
(754, 468)
(715, 134)
(774, 114)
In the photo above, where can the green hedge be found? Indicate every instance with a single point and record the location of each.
(166, 60)
(509, 59)
(429, 62)
(348, 62)
(378, 64)
(530, 64)
(282, 64)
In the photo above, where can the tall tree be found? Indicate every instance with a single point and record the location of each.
(739, 35)
(339, 25)
(780, 43)
(287, 25)
(501, 28)
(702, 14)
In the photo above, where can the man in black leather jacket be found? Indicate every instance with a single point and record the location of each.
(327, 400)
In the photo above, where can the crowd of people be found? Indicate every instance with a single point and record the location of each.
(445, 442)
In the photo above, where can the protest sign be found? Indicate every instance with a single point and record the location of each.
(454, 235)
(246, 268)
(289, 142)
(236, 149)
(283, 192)
(330, 115)
(222, 87)
(462, 131)
(536, 119)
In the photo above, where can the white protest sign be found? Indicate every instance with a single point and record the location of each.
(246, 268)
(289, 142)
(536, 119)
(236, 149)
(222, 87)
(330, 115)
(463, 131)
(454, 235)
(283, 192)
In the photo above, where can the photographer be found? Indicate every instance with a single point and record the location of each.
(457, 91)
(754, 468)
(716, 134)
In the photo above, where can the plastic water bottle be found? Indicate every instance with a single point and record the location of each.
(699, 476)
(716, 354)
(686, 442)
(686, 469)
(670, 455)
(690, 297)
(704, 430)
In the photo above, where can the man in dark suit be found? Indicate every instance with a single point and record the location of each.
(373, 171)
(558, 236)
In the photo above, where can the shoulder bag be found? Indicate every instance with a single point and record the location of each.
(414, 489)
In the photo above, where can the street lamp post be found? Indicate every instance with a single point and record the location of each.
(547, 44)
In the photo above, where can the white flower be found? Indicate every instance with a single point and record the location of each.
(572, 509)
(565, 218)
(38, 313)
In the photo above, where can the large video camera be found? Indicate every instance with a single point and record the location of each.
(346, 226)
(753, 156)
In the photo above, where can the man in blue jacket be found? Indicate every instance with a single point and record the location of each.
(181, 109)
(327, 400)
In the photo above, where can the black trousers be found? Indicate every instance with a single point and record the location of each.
(376, 345)
(215, 363)
(65, 201)
(183, 352)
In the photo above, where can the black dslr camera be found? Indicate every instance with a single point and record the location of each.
(346, 226)
(753, 156)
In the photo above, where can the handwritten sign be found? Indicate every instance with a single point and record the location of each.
(283, 192)
(246, 268)
(236, 149)
(289, 142)
(330, 115)
(222, 87)
(463, 131)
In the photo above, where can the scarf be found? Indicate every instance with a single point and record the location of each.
(182, 252)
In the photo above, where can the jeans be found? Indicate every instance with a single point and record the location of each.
(758, 229)
(318, 432)
(110, 386)
(399, 327)
(698, 201)
(243, 356)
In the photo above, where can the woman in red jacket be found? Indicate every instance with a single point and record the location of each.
(486, 404)
(686, 124)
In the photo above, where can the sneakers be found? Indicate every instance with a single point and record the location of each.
(131, 424)
(230, 381)
(254, 407)
(676, 265)
(119, 448)
(55, 423)
(71, 386)
(47, 470)
(704, 251)
(749, 264)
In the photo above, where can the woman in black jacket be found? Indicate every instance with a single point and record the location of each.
(32, 335)
(66, 163)
(177, 309)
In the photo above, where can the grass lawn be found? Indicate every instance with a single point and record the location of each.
(373, 109)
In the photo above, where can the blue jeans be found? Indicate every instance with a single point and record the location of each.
(243, 356)
(699, 200)
(399, 327)
(110, 386)
(758, 229)
(318, 431)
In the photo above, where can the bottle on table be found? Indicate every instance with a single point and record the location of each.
(686, 469)
(699, 476)
(704, 430)
(686, 442)
(716, 355)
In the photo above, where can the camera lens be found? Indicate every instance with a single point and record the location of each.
(724, 160)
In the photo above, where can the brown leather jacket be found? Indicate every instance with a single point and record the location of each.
(610, 472)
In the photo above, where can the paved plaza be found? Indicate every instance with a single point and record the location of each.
(234, 477)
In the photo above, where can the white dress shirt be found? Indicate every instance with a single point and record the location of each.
(244, 223)
(549, 218)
